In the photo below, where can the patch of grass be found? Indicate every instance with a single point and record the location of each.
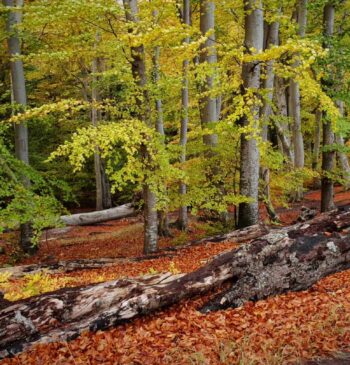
(180, 239)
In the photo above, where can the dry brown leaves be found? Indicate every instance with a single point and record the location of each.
(279, 330)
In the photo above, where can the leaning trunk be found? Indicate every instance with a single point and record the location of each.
(249, 179)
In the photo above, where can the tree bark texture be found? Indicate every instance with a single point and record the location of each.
(341, 156)
(208, 112)
(294, 94)
(84, 219)
(138, 67)
(291, 258)
(183, 210)
(249, 177)
(103, 193)
(317, 139)
(328, 156)
(280, 120)
(272, 31)
(19, 96)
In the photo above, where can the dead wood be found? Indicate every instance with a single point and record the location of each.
(82, 219)
(291, 258)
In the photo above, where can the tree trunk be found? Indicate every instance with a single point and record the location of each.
(327, 186)
(163, 221)
(103, 194)
(249, 178)
(291, 258)
(317, 139)
(266, 112)
(295, 107)
(280, 119)
(19, 95)
(84, 219)
(341, 156)
(183, 210)
(138, 66)
(208, 112)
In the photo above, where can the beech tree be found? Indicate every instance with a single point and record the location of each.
(103, 193)
(19, 95)
(249, 166)
(186, 20)
(207, 104)
(328, 155)
(140, 77)
(294, 91)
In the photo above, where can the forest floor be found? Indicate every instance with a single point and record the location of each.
(279, 330)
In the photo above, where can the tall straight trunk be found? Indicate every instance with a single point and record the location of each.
(186, 19)
(163, 221)
(341, 156)
(294, 95)
(249, 177)
(208, 103)
(327, 186)
(317, 139)
(158, 101)
(103, 194)
(282, 111)
(138, 66)
(272, 31)
(268, 82)
(19, 96)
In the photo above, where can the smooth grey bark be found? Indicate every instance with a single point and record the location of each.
(156, 76)
(294, 95)
(82, 219)
(328, 156)
(280, 119)
(272, 31)
(183, 210)
(207, 103)
(138, 67)
(268, 82)
(317, 139)
(103, 193)
(19, 95)
(249, 164)
(341, 156)
(163, 220)
(327, 186)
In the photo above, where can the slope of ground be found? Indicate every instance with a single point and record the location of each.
(280, 330)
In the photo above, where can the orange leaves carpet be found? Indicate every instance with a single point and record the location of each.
(279, 330)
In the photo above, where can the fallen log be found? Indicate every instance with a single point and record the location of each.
(82, 219)
(238, 236)
(291, 258)
(59, 267)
